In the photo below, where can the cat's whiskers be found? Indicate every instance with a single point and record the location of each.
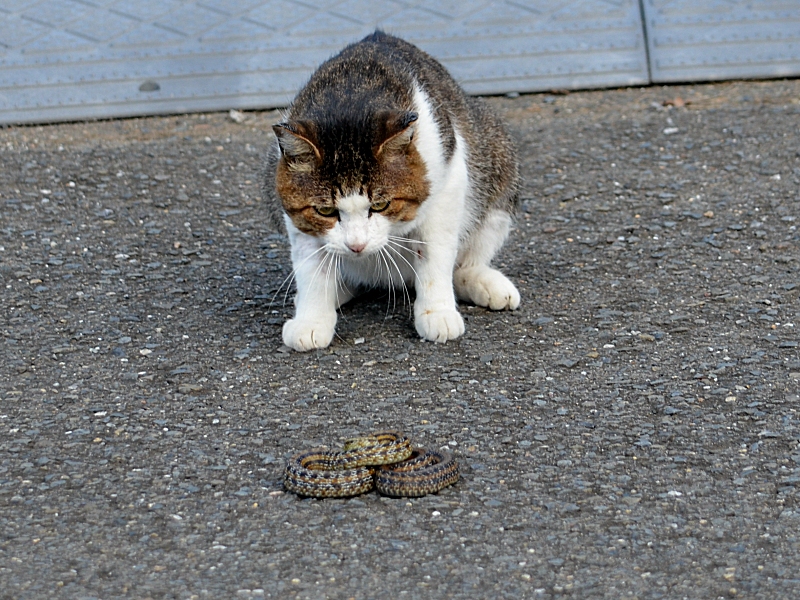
(331, 258)
(389, 247)
(332, 268)
(289, 279)
(392, 303)
(400, 238)
(327, 257)
(336, 260)
(393, 246)
(340, 284)
(404, 288)
(406, 296)
(320, 264)
(406, 244)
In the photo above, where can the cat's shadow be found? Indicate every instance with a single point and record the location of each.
(379, 306)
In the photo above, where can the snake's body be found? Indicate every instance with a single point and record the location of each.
(384, 461)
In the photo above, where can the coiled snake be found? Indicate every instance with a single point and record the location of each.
(383, 460)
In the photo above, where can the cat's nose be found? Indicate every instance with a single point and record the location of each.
(357, 247)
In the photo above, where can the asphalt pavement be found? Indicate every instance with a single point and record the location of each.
(632, 431)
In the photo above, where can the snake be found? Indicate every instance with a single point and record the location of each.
(384, 460)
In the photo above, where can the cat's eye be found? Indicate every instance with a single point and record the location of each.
(326, 211)
(379, 206)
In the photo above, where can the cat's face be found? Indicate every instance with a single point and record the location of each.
(353, 184)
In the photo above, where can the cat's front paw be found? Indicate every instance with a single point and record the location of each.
(304, 335)
(487, 287)
(439, 325)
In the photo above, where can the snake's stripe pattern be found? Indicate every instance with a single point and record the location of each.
(425, 472)
(308, 474)
(331, 474)
(380, 448)
(384, 460)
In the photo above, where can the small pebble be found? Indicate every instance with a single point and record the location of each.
(237, 116)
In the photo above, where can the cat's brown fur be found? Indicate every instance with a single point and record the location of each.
(398, 173)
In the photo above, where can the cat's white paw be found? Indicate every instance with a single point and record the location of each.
(439, 325)
(485, 286)
(304, 335)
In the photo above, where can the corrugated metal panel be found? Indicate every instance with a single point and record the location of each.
(691, 40)
(76, 59)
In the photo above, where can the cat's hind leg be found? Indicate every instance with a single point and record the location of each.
(474, 280)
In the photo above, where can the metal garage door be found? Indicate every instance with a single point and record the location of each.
(74, 59)
(696, 40)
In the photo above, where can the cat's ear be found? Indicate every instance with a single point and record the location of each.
(395, 131)
(296, 142)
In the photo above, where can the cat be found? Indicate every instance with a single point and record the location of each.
(386, 174)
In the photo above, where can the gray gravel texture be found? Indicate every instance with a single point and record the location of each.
(631, 431)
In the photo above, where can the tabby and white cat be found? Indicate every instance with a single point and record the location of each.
(387, 174)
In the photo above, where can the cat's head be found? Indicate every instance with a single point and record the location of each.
(353, 182)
